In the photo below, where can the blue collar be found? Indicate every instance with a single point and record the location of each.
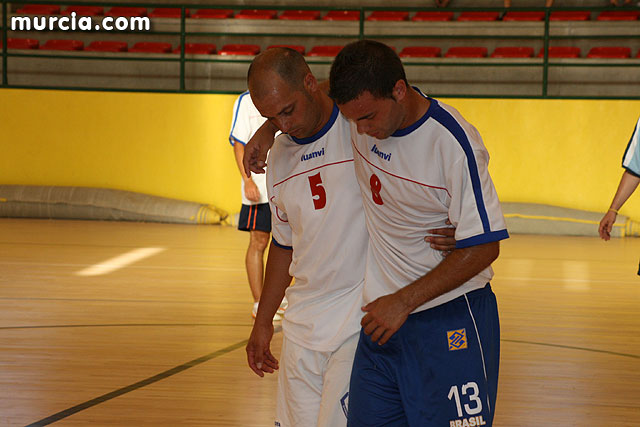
(421, 120)
(321, 132)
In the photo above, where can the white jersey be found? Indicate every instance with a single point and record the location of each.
(631, 158)
(412, 182)
(316, 209)
(246, 121)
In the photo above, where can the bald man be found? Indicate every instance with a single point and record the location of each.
(319, 237)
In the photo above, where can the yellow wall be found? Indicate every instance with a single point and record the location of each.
(559, 152)
(161, 144)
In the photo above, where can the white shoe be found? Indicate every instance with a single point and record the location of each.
(254, 313)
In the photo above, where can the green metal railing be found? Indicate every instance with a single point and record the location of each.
(362, 33)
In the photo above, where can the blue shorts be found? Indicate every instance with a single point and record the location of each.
(439, 369)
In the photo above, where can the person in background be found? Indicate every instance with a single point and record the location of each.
(255, 216)
(626, 187)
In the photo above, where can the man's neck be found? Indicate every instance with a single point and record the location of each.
(325, 108)
(415, 106)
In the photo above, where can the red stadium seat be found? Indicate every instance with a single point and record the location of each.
(84, 10)
(256, 14)
(22, 43)
(523, 16)
(570, 16)
(609, 52)
(420, 52)
(561, 52)
(62, 45)
(106, 46)
(197, 48)
(168, 12)
(389, 15)
(295, 47)
(619, 15)
(151, 47)
(433, 16)
(513, 52)
(342, 15)
(240, 49)
(479, 16)
(466, 52)
(324, 50)
(39, 9)
(638, 55)
(213, 14)
(300, 15)
(127, 11)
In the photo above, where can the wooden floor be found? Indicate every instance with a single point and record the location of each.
(160, 341)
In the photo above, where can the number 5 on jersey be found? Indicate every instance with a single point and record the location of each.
(318, 192)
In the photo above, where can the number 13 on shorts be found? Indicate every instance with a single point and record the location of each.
(468, 405)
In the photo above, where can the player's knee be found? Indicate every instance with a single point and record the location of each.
(259, 240)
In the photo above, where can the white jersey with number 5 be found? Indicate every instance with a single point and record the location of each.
(317, 210)
(412, 182)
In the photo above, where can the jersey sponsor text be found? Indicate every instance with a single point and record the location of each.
(383, 156)
(312, 155)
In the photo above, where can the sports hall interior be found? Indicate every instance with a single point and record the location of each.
(115, 146)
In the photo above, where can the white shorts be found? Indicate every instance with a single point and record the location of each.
(313, 386)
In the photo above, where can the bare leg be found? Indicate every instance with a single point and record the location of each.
(258, 241)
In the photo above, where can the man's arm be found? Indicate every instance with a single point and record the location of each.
(276, 281)
(386, 314)
(255, 152)
(251, 190)
(628, 184)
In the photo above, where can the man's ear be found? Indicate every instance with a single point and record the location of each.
(400, 90)
(310, 82)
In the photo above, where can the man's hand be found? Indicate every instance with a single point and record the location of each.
(251, 191)
(384, 317)
(258, 350)
(255, 152)
(444, 239)
(606, 225)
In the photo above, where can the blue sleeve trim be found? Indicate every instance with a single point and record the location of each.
(233, 139)
(235, 119)
(492, 236)
(275, 242)
(447, 120)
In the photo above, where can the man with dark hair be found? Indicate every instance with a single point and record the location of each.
(378, 72)
(429, 347)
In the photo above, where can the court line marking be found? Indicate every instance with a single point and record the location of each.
(125, 325)
(116, 393)
(563, 280)
(279, 327)
(570, 347)
(111, 300)
(147, 267)
(119, 262)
